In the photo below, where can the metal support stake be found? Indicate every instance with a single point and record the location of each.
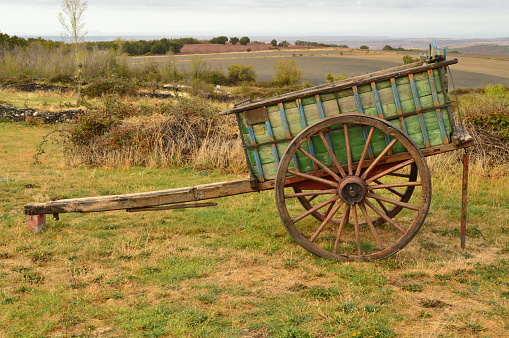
(464, 199)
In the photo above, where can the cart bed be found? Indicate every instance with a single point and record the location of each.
(413, 97)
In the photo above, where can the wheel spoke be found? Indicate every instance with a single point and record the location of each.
(385, 217)
(379, 157)
(383, 207)
(391, 201)
(330, 213)
(395, 192)
(320, 164)
(344, 219)
(394, 185)
(390, 170)
(371, 226)
(312, 193)
(365, 151)
(331, 154)
(316, 208)
(400, 175)
(357, 231)
(313, 178)
(348, 149)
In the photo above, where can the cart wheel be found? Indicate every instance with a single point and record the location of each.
(365, 195)
(404, 196)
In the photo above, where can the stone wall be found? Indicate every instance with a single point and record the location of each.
(11, 113)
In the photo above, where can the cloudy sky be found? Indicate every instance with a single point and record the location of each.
(209, 18)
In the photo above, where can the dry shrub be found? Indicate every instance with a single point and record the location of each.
(486, 118)
(487, 121)
(181, 133)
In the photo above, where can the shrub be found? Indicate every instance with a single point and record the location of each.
(239, 73)
(201, 88)
(110, 86)
(409, 59)
(185, 132)
(62, 78)
(487, 120)
(286, 73)
(490, 113)
(200, 70)
(333, 78)
(498, 92)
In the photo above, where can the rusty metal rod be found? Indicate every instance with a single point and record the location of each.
(464, 199)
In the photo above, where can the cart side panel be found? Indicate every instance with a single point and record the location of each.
(416, 103)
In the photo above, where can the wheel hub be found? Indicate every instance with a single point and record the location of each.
(352, 189)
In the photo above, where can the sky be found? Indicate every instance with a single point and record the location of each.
(277, 18)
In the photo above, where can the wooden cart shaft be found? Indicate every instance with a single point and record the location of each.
(135, 201)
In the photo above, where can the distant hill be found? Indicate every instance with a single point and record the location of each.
(484, 49)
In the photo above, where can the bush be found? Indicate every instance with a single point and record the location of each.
(63, 79)
(239, 73)
(408, 59)
(333, 78)
(200, 70)
(487, 120)
(185, 132)
(201, 88)
(110, 86)
(286, 73)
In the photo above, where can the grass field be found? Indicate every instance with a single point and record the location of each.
(472, 71)
(232, 270)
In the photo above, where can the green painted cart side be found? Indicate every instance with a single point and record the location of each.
(413, 97)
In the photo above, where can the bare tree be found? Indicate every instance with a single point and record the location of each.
(72, 21)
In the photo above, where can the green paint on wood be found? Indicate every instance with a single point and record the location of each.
(344, 101)
(308, 100)
(330, 107)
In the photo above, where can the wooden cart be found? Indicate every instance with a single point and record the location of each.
(346, 161)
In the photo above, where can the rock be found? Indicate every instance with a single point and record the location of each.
(10, 113)
(32, 87)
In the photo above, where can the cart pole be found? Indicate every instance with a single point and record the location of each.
(464, 199)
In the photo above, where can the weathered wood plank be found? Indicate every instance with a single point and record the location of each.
(145, 199)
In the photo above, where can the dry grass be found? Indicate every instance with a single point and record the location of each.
(185, 132)
(232, 270)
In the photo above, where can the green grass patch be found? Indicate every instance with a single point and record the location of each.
(232, 270)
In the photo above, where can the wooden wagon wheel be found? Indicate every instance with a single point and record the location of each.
(386, 178)
(307, 201)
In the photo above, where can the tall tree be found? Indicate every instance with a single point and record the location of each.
(72, 20)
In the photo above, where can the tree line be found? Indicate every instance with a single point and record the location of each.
(15, 41)
(132, 48)
(317, 44)
(148, 47)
